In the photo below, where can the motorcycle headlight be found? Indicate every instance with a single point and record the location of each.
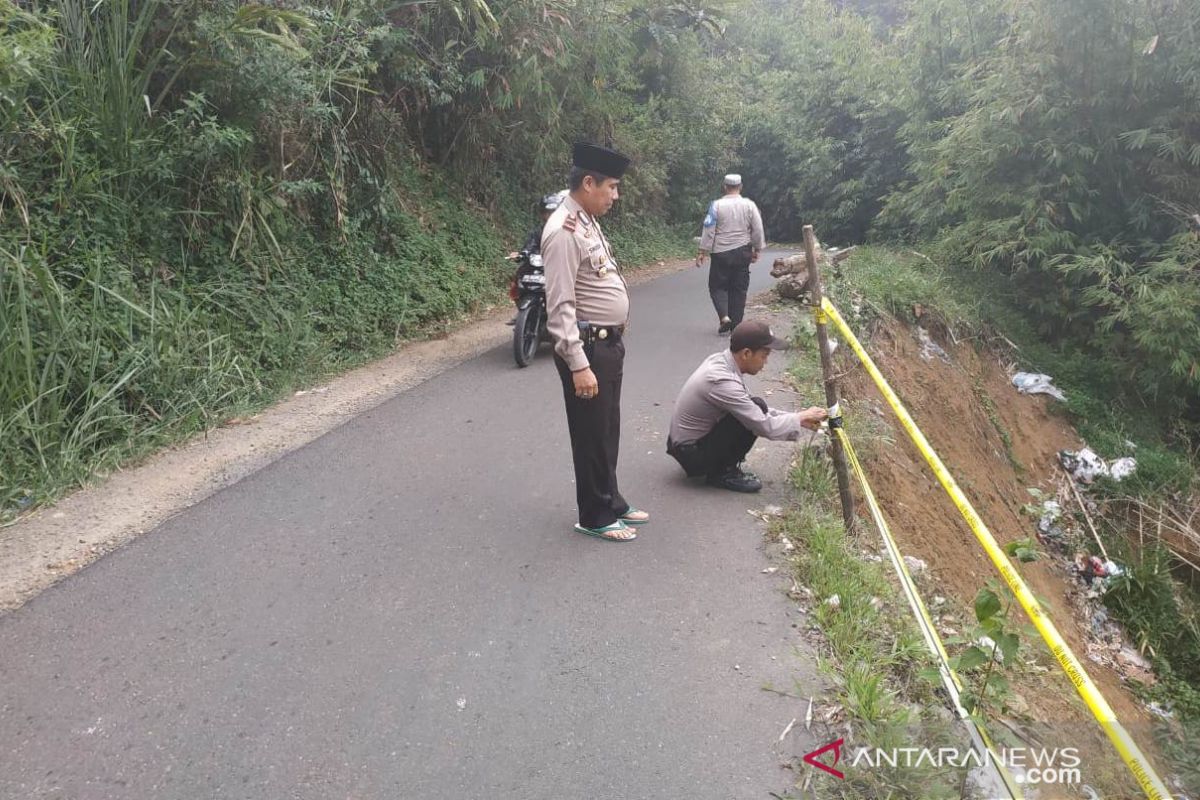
(535, 260)
(533, 279)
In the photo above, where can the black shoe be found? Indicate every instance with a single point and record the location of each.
(735, 480)
(725, 327)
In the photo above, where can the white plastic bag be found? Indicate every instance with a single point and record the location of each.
(1037, 383)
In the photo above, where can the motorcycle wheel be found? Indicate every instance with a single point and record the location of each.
(527, 333)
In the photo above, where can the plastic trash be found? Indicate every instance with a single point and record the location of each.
(1085, 466)
(1037, 383)
(1048, 527)
(1092, 567)
(988, 645)
(1051, 512)
(1089, 567)
(1122, 468)
(1160, 710)
(929, 348)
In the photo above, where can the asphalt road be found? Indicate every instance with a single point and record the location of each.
(400, 610)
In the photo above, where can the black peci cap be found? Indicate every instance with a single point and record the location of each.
(595, 158)
(754, 334)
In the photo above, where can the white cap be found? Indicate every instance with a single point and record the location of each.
(733, 179)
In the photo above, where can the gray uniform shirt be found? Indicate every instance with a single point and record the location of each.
(717, 388)
(583, 283)
(732, 222)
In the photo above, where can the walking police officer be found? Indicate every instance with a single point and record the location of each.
(733, 233)
(588, 306)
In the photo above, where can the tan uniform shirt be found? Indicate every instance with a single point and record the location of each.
(732, 222)
(717, 388)
(583, 283)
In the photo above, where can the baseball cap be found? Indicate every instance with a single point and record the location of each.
(754, 334)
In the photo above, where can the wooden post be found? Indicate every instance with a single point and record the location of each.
(832, 396)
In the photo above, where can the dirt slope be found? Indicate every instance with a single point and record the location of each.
(963, 407)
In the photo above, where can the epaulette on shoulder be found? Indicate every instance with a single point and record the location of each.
(570, 221)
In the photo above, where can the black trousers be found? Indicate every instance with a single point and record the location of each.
(722, 448)
(595, 427)
(729, 281)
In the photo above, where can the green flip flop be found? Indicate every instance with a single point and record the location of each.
(603, 533)
(631, 510)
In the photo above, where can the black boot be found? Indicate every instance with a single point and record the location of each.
(735, 480)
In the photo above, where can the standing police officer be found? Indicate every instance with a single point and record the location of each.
(588, 306)
(733, 233)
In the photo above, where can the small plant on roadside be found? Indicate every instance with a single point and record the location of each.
(992, 649)
(1037, 507)
(994, 644)
(1024, 550)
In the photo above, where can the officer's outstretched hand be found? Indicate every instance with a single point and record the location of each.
(586, 386)
(812, 417)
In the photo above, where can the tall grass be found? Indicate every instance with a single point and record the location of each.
(90, 373)
(106, 68)
(871, 649)
(204, 205)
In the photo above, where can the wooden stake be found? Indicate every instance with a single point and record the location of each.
(832, 396)
(1086, 515)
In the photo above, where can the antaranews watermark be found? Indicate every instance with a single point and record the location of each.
(1030, 765)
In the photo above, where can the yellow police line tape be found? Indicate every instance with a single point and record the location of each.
(1133, 757)
(979, 737)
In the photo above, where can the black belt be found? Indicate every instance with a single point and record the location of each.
(590, 333)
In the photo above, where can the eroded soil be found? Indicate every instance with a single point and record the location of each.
(996, 443)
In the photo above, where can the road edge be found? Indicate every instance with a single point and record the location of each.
(55, 541)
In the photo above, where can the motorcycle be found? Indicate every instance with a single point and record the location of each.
(528, 291)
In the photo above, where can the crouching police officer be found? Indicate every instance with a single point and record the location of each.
(717, 420)
(588, 306)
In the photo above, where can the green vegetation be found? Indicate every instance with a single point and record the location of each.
(1098, 405)
(1155, 599)
(203, 202)
(875, 655)
(1163, 618)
